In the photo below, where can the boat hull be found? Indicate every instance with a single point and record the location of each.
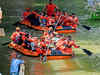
(36, 54)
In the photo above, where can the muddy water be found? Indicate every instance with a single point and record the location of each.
(86, 39)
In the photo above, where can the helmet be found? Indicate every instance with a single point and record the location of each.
(27, 8)
(17, 28)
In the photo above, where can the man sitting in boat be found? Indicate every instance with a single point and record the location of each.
(75, 20)
(67, 22)
(29, 42)
(50, 21)
(16, 37)
(68, 43)
(26, 13)
(50, 8)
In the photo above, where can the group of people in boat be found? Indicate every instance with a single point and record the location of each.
(50, 41)
(51, 16)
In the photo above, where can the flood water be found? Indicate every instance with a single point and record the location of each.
(82, 64)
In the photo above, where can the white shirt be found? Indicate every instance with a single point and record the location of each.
(0, 13)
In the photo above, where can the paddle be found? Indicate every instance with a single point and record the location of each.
(6, 43)
(89, 53)
(85, 26)
(45, 57)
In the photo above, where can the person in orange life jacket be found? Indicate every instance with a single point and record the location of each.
(50, 8)
(43, 19)
(57, 14)
(67, 23)
(58, 46)
(26, 13)
(68, 45)
(27, 42)
(64, 15)
(75, 20)
(16, 36)
(50, 21)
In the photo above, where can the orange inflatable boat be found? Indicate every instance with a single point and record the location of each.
(35, 53)
(58, 28)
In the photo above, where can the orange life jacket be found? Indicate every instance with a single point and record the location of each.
(50, 21)
(76, 21)
(26, 13)
(50, 9)
(67, 21)
(14, 35)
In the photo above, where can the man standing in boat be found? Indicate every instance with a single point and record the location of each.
(50, 8)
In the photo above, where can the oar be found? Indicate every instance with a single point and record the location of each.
(45, 57)
(85, 26)
(89, 53)
(6, 43)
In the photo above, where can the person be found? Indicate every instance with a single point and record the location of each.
(75, 21)
(67, 23)
(68, 45)
(50, 21)
(43, 19)
(16, 36)
(26, 13)
(0, 15)
(50, 8)
(15, 64)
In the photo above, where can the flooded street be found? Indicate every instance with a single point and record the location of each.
(81, 64)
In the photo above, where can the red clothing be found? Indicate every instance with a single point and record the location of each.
(14, 35)
(76, 22)
(68, 50)
(50, 21)
(50, 9)
(68, 21)
(25, 14)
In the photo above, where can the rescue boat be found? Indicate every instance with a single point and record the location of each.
(59, 29)
(27, 52)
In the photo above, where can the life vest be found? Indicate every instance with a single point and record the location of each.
(50, 9)
(60, 44)
(14, 35)
(67, 21)
(50, 21)
(76, 21)
(25, 14)
(42, 44)
(69, 45)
